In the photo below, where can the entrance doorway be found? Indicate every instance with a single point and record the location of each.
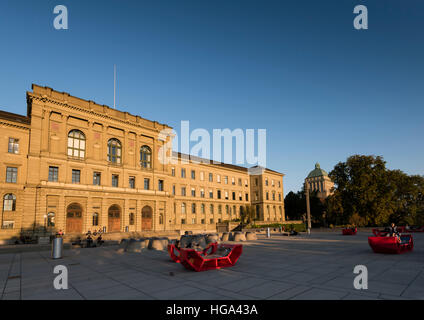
(74, 218)
(114, 219)
(146, 218)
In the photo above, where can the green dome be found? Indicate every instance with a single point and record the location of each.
(317, 172)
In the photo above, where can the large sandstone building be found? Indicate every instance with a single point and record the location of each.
(74, 165)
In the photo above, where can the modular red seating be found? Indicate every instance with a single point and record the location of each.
(380, 233)
(175, 252)
(226, 255)
(382, 244)
(349, 231)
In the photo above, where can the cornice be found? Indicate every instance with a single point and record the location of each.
(14, 125)
(46, 99)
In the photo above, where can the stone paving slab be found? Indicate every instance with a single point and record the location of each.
(319, 266)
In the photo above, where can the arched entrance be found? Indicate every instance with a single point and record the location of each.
(74, 218)
(146, 218)
(114, 219)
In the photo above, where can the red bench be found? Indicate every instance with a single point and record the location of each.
(383, 244)
(175, 253)
(349, 231)
(226, 255)
(380, 233)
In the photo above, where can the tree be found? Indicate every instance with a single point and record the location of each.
(367, 193)
(295, 206)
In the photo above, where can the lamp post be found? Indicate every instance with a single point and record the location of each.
(308, 208)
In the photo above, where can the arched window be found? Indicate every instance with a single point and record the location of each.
(95, 219)
(9, 202)
(114, 151)
(76, 144)
(50, 219)
(146, 157)
(132, 220)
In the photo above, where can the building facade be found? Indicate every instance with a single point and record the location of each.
(318, 181)
(75, 165)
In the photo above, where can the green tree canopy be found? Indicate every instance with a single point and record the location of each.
(367, 193)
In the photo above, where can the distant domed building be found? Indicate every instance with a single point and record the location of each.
(319, 181)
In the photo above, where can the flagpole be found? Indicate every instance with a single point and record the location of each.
(114, 86)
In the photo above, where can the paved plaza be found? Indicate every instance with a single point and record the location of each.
(319, 266)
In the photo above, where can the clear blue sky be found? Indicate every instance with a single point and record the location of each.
(322, 89)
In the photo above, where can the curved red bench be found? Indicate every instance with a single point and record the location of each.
(175, 253)
(225, 256)
(349, 231)
(382, 244)
(379, 233)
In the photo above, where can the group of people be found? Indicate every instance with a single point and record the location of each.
(90, 240)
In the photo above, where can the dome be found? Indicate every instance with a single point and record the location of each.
(317, 172)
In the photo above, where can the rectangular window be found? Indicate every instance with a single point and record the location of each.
(226, 195)
(173, 172)
(183, 191)
(193, 221)
(183, 173)
(76, 176)
(13, 145)
(173, 190)
(219, 194)
(256, 182)
(240, 197)
(203, 221)
(233, 181)
(183, 221)
(279, 197)
(211, 194)
(247, 197)
(96, 178)
(218, 178)
(115, 180)
(146, 184)
(160, 185)
(193, 192)
(210, 177)
(211, 221)
(202, 176)
(239, 182)
(226, 180)
(53, 174)
(131, 182)
(267, 196)
(11, 174)
(234, 196)
(245, 183)
(202, 193)
(193, 174)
